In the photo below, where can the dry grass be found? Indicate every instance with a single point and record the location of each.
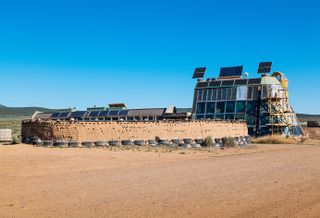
(274, 139)
(14, 124)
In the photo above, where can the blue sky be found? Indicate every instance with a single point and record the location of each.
(81, 53)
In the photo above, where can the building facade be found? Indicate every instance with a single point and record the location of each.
(262, 102)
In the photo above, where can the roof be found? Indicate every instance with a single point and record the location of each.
(146, 112)
(269, 80)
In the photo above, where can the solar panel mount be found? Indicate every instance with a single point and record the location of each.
(265, 67)
(199, 73)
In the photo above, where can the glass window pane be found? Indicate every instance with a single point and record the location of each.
(199, 95)
(209, 94)
(210, 116)
(204, 97)
(201, 108)
(219, 94)
(214, 94)
(210, 107)
(240, 116)
(249, 93)
(200, 117)
(241, 106)
(233, 93)
(231, 107)
(229, 117)
(220, 116)
(251, 107)
(220, 107)
(224, 94)
(250, 120)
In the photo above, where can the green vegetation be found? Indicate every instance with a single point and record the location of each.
(228, 141)
(208, 141)
(274, 139)
(14, 124)
(16, 112)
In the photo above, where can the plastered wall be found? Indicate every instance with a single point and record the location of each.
(93, 131)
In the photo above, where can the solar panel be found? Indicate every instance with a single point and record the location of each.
(94, 113)
(199, 72)
(123, 112)
(264, 67)
(215, 83)
(78, 114)
(231, 71)
(254, 81)
(103, 113)
(227, 82)
(64, 114)
(202, 84)
(55, 115)
(113, 113)
(241, 82)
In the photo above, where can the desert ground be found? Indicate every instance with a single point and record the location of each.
(258, 181)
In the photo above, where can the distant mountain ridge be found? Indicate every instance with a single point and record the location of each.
(29, 111)
(20, 111)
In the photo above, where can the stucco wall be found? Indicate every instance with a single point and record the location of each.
(91, 131)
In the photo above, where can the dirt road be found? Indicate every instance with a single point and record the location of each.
(271, 181)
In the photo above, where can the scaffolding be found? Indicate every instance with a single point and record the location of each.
(282, 118)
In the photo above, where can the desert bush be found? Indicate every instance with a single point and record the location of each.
(208, 141)
(228, 141)
(274, 139)
(16, 140)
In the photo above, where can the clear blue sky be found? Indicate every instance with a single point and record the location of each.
(81, 53)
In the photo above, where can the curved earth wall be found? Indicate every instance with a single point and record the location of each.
(91, 131)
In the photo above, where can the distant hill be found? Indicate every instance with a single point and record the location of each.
(308, 117)
(20, 111)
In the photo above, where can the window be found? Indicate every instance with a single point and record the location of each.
(241, 106)
(201, 108)
(220, 107)
(240, 117)
(229, 117)
(220, 116)
(219, 94)
(250, 120)
(251, 107)
(224, 94)
(210, 116)
(214, 94)
(230, 108)
(199, 95)
(209, 95)
(211, 107)
(255, 93)
(199, 117)
(204, 97)
(233, 93)
(249, 97)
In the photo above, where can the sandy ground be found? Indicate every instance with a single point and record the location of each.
(263, 181)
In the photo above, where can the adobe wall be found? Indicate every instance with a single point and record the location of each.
(93, 131)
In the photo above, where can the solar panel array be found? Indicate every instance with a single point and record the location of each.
(231, 71)
(265, 67)
(199, 72)
(223, 83)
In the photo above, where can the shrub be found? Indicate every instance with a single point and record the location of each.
(16, 140)
(208, 141)
(228, 141)
(274, 139)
